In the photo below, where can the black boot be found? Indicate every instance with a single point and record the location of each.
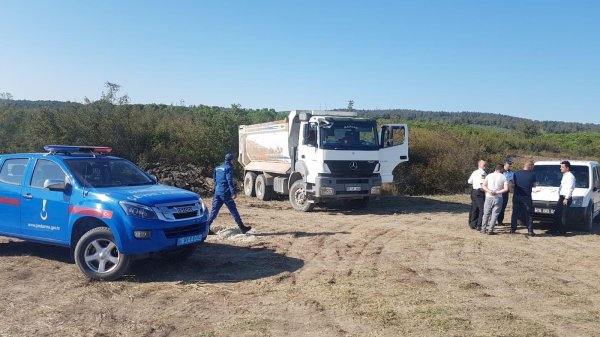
(244, 228)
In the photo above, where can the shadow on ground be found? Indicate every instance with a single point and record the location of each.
(215, 263)
(398, 205)
(27, 248)
(211, 263)
(299, 234)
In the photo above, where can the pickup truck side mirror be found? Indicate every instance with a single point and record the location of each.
(153, 178)
(55, 185)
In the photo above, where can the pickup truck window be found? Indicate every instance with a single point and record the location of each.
(104, 172)
(46, 169)
(13, 170)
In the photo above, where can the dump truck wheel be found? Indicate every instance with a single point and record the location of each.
(299, 197)
(249, 180)
(262, 190)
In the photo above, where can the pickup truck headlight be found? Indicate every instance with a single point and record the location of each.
(137, 210)
(202, 207)
(376, 190)
(577, 202)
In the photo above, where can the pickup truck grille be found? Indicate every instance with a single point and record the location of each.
(351, 168)
(183, 231)
(178, 211)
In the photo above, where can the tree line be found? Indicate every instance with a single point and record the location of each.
(442, 152)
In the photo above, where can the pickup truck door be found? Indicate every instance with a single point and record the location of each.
(11, 180)
(393, 143)
(45, 212)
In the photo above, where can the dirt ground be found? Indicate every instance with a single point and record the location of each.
(406, 266)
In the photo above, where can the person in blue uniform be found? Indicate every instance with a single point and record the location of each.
(225, 193)
(509, 175)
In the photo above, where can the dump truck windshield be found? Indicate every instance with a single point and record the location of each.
(348, 135)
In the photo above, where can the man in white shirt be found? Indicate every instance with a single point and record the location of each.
(561, 211)
(494, 185)
(477, 195)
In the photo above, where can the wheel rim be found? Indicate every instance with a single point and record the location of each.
(247, 185)
(300, 196)
(259, 188)
(102, 256)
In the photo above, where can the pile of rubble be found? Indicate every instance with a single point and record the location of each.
(190, 177)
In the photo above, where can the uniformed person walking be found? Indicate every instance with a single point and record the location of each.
(225, 193)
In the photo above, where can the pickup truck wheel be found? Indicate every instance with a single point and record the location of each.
(179, 254)
(588, 218)
(249, 180)
(98, 257)
(263, 192)
(299, 198)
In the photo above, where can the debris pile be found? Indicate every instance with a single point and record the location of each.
(187, 176)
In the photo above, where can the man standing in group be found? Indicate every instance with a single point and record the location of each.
(522, 205)
(225, 192)
(508, 174)
(494, 185)
(477, 195)
(561, 211)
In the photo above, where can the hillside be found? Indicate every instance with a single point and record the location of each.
(444, 147)
(482, 119)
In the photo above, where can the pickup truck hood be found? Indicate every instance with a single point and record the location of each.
(149, 195)
(551, 193)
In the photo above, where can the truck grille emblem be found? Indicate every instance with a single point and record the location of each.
(353, 165)
(184, 209)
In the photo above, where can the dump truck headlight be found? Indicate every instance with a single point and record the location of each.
(327, 191)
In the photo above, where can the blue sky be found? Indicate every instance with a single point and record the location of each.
(534, 59)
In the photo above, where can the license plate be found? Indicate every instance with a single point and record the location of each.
(544, 210)
(352, 188)
(186, 240)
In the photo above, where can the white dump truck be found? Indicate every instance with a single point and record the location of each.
(317, 156)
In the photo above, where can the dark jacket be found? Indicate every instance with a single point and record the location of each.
(223, 178)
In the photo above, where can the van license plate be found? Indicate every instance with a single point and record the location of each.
(186, 240)
(352, 188)
(544, 210)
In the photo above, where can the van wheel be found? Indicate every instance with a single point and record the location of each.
(263, 191)
(299, 197)
(249, 180)
(588, 218)
(97, 255)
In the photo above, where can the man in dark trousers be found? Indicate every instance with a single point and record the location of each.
(477, 195)
(565, 192)
(524, 181)
(508, 174)
(225, 192)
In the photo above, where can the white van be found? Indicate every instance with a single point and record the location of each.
(586, 197)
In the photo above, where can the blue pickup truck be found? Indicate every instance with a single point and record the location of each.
(105, 208)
